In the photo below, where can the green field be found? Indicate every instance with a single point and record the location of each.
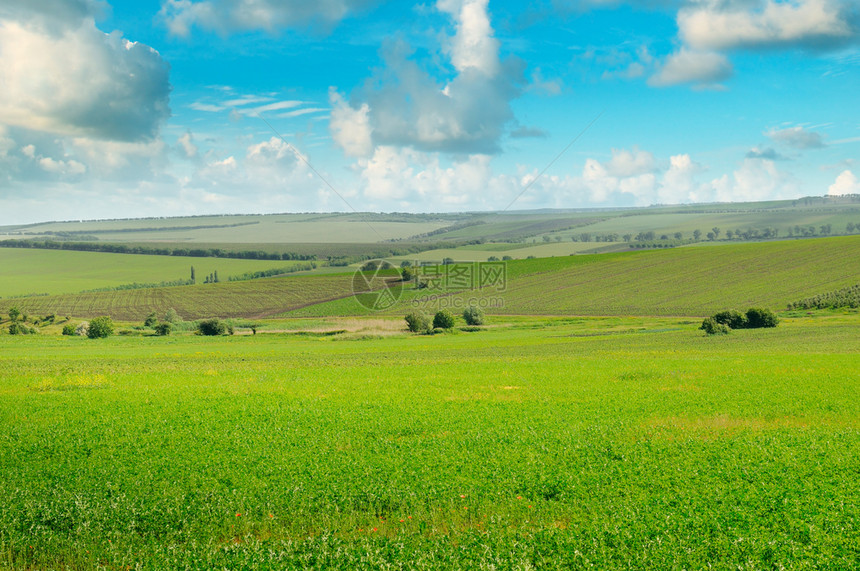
(605, 443)
(28, 271)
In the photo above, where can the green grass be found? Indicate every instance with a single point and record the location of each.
(29, 271)
(603, 443)
(695, 281)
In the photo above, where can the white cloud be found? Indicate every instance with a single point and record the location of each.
(797, 138)
(69, 78)
(407, 107)
(722, 25)
(350, 127)
(755, 179)
(70, 167)
(186, 143)
(227, 16)
(690, 66)
(846, 183)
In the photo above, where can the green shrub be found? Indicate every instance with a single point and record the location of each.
(100, 327)
(14, 314)
(712, 327)
(163, 328)
(760, 317)
(417, 322)
(212, 327)
(151, 320)
(171, 316)
(731, 317)
(18, 329)
(474, 315)
(443, 319)
(68, 329)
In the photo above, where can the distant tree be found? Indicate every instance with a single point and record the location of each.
(732, 318)
(443, 319)
(729, 234)
(585, 237)
(506, 258)
(547, 238)
(627, 237)
(406, 274)
(849, 228)
(163, 328)
(405, 264)
(100, 327)
(171, 316)
(16, 328)
(68, 329)
(215, 277)
(697, 234)
(826, 229)
(447, 261)
(474, 315)
(712, 236)
(679, 235)
(14, 314)
(151, 320)
(211, 327)
(193, 278)
(417, 322)
(664, 236)
(493, 259)
(716, 231)
(759, 317)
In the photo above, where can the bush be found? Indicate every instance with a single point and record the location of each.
(100, 327)
(82, 329)
(417, 322)
(171, 316)
(151, 320)
(163, 328)
(212, 327)
(712, 327)
(731, 317)
(68, 329)
(443, 320)
(759, 317)
(14, 314)
(474, 315)
(18, 329)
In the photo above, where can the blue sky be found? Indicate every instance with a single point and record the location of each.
(173, 107)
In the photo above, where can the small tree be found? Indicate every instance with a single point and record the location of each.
(68, 329)
(417, 322)
(711, 327)
(16, 328)
(443, 319)
(193, 276)
(406, 274)
(212, 327)
(760, 317)
(474, 315)
(14, 314)
(171, 316)
(697, 234)
(163, 328)
(151, 320)
(732, 318)
(100, 327)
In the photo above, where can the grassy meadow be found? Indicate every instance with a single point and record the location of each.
(609, 443)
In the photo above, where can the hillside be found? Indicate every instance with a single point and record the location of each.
(690, 281)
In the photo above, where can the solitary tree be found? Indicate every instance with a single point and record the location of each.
(100, 327)
(193, 278)
(473, 315)
(151, 320)
(716, 231)
(679, 235)
(697, 234)
(417, 322)
(14, 314)
(443, 320)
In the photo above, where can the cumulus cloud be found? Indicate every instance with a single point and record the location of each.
(722, 25)
(69, 78)
(755, 179)
(797, 138)
(228, 16)
(846, 183)
(404, 106)
(691, 66)
(768, 153)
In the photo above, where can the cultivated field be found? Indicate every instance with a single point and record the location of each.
(602, 442)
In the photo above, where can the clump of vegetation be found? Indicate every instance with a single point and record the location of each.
(724, 321)
(212, 327)
(68, 329)
(417, 322)
(172, 317)
(163, 328)
(443, 319)
(100, 327)
(151, 320)
(82, 329)
(712, 327)
(474, 315)
(17, 328)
